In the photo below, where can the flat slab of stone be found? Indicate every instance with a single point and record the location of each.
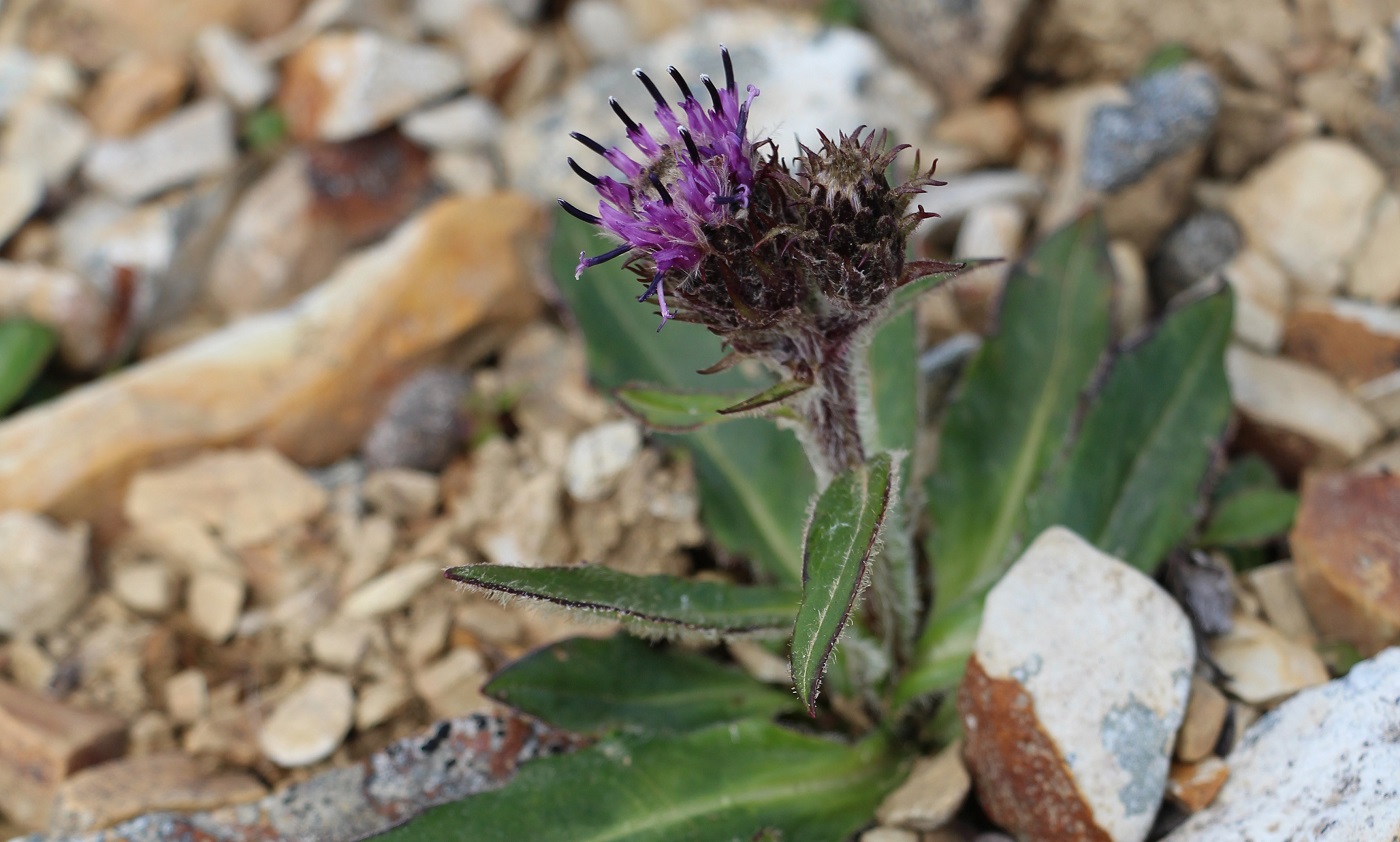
(1320, 766)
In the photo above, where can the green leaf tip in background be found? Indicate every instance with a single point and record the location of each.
(1016, 405)
(664, 605)
(768, 397)
(590, 685)
(725, 782)
(841, 541)
(674, 410)
(1134, 480)
(1251, 517)
(25, 348)
(754, 479)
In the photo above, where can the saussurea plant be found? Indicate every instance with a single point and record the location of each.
(802, 267)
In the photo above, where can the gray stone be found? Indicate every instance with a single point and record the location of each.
(1200, 245)
(960, 46)
(1171, 111)
(193, 142)
(469, 122)
(1321, 763)
(48, 136)
(422, 426)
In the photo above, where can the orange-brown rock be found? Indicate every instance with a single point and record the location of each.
(121, 789)
(42, 742)
(307, 380)
(1346, 553)
(1354, 342)
(134, 93)
(1192, 786)
(1023, 782)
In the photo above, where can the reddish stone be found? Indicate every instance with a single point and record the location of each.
(366, 186)
(1348, 348)
(1193, 786)
(1022, 781)
(1346, 554)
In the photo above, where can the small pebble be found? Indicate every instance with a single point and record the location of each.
(214, 602)
(392, 590)
(311, 723)
(145, 588)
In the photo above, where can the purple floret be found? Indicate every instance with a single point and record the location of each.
(698, 174)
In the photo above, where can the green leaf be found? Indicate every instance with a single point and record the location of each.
(655, 604)
(754, 479)
(25, 348)
(1251, 517)
(674, 410)
(1247, 473)
(775, 394)
(1016, 405)
(589, 685)
(896, 395)
(939, 273)
(1009, 420)
(841, 540)
(726, 782)
(1133, 482)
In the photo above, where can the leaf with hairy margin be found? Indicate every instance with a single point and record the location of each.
(659, 605)
(841, 540)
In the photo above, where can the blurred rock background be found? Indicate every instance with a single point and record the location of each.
(294, 348)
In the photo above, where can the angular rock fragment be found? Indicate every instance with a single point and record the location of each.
(1072, 698)
(1308, 208)
(42, 742)
(1296, 415)
(193, 142)
(345, 84)
(1261, 665)
(44, 574)
(1346, 554)
(133, 786)
(1321, 765)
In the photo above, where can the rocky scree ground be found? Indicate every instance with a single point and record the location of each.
(309, 236)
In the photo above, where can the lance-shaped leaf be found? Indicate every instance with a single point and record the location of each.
(589, 685)
(664, 605)
(726, 782)
(674, 410)
(841, 539)
(25, 347)
(1016, 404)
(754, 478)
(1133, 481)
(769, 397)
(1004, 429)
(893, 426)
(926, 275)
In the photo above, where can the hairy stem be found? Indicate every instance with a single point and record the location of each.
(830, 412)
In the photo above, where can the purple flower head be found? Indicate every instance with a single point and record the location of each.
(699, 174)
